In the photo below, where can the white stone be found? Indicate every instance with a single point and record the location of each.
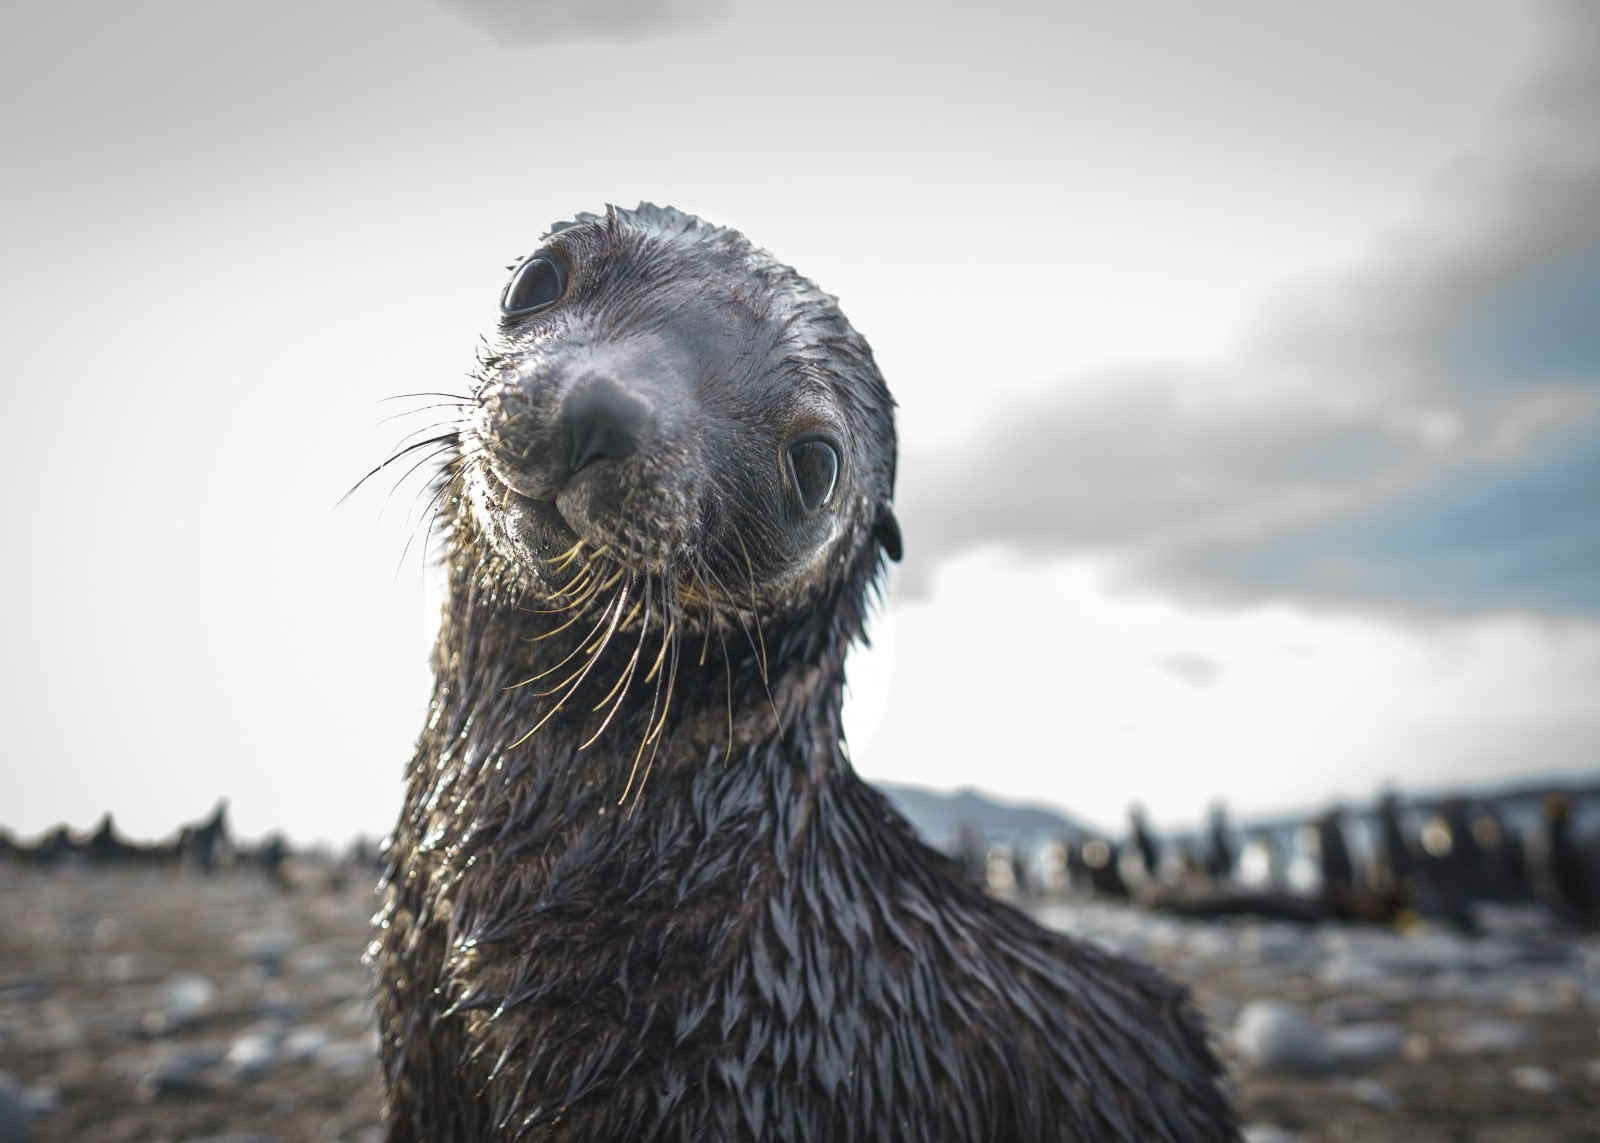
(1537, 1079)
(252, 1055)
(187, 996)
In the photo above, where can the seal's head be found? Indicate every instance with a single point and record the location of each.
(665, 399)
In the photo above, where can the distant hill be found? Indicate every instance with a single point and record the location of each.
(939, 817)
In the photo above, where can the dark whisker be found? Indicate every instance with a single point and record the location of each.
(461, 397)
(392, 417)
(453, 437)
(450, 483)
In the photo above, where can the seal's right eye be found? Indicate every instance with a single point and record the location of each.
(814, 465)
(538, 283)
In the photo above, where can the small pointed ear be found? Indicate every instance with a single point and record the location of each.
(887, 532)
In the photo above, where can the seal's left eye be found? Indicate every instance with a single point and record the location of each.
(539, 282)
(815, 467)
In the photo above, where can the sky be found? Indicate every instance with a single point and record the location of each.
(1246, 354)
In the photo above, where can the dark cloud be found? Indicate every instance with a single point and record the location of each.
(514, 23)
(1424, 432)
(1543, 327)
(1475, 537)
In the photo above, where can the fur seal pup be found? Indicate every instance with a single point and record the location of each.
(636, 891)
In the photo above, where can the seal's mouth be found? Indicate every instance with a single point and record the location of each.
(540, 522)
(535, 525)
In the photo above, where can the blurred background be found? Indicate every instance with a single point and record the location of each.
(1247, 356)
(1248, 360)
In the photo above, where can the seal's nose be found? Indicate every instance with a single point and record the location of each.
(604, 419)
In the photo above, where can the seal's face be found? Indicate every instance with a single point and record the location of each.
(667, 399)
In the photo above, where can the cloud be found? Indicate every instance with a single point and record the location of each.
(1520, 533)
(514, 23)
(1189, 667)
(1422, 431)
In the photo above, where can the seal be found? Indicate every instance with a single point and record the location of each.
(636, 891)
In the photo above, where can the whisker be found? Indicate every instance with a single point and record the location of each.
(732, 605)
(619, 603)
(452, 437)
(755, 612)
(460, 397)
(447, 487)
(592, 587)
(560, 562)
(653, 737)
(577, 614)
(620, 688)
(442, 450)
(605, 616)
(404, 413)
(628, 785)
(672, 678)
(734, 608)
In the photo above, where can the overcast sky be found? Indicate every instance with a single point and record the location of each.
(1247, 357)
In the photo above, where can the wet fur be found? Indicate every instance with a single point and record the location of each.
(737, 939)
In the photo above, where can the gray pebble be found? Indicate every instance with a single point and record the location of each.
(1540, 997)
(187, 998)
(1221, 1011)
(1357, 1010)
(1536, 1079)
(13, 1111)
(359, 1013)
(178, 1069)
(1487, 1035)
(1267, 1133)
(188, 994)
(317, 960)
(1371, 1092)
(42, 1101)
(305, 1044)
(1272, 1034)
(124, 968)
(348, 1059)
(1366, 1043)
(267, 947)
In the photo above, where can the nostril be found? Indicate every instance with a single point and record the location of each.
(604, 419)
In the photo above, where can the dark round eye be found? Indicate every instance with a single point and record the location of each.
(815, 467)
(539, 282)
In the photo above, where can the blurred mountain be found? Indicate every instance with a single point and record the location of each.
(940, 817)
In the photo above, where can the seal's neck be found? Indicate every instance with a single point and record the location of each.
(536, 734)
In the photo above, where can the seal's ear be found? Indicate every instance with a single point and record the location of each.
(887, 532)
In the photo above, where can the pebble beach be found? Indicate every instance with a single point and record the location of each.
(142, 1005)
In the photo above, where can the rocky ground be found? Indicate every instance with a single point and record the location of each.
(148, 1005)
